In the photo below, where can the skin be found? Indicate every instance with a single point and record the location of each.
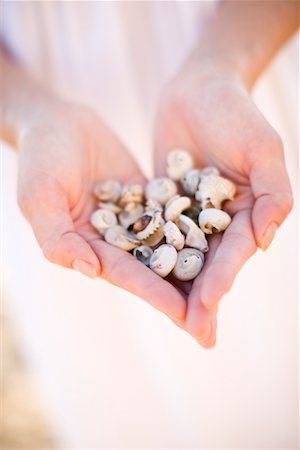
(207, 109)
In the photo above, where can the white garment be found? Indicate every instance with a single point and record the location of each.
(115, 373)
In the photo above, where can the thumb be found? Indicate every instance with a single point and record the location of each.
(49, 215)
(272, 191)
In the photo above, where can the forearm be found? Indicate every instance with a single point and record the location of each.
(21, 99)
(245, 35)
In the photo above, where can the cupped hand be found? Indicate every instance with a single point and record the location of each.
(64, 151)
(214, 118)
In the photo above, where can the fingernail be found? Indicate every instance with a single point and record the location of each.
(268, 236)
(85, 268)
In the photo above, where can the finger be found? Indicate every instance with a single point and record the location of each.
(48, 213)
(272, 190)
(122, 269)
(209, 340)
(235, 248)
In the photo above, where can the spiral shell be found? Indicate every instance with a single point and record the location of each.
(175, 206)
(101, 219)
(131, 193)
(163, 259)
(213, 220)
(178, 162)
(189, 264)
(213, 190)
(119, 237)
(108, 191)
(173, 235)
(161, 190)
(147, 224)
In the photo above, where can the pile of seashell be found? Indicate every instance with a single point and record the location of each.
(166, 232)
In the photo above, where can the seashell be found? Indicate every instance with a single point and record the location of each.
(161, 190)
(209, 170)
(156, 237)
(153, 204)
(194, 235)
(118, 236)
(110, 207)
(173, 235)
(108, 191)
(189, 264)
(147, 224)
(178, 162)
(163, 259)
(130, 214)
(143, 253)
(101, 219)
(190, 181)
(213, 190)
(175, 206)
(213, 220)
(193, 213)
(131, 193)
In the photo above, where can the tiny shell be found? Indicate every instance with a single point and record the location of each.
(110, 206)
(213, 190)
(173, 235)
(189, 264)
(130, 214)
(213, 220)
(102, 219)
(131, 193)
(151, 203)
(143, 253)
(194, 235)
(163, 259)
(161, 190)
(147, 224)
(108, 191)
(156, 237)
(209, 170)
(190, 181)
(178, 162)
(118, 236)
(175, 206)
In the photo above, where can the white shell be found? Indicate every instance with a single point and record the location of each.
(143, 253)
(178, 162)
(189, 264)
(173, 235)
(213, 220)
(155, 222)
(119, 237)
(209, 170)
(131, 193)
(110, 206)
(102, 219)
(190, 181)
(163, 259)
(156, 237)
(213, 190)
(151, 203)
(161, 190)
(108, 191)
(130, 214)
(175, 206)
(194, 235)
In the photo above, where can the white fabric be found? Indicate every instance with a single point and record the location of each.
(114, 372)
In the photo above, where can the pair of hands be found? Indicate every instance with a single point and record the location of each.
(66, 149)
